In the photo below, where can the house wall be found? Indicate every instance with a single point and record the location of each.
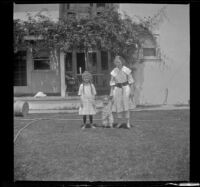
(174, 41)
(47, 81)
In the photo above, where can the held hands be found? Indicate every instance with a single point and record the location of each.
(111, 97)
(132, 90)
(93, 104)
(131, 94)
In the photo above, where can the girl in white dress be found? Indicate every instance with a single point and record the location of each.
(121, 90)
(87, 94)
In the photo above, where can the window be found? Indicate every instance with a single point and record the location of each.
(101, 5)
(71, 14)
(68, 62)
(92, 58)
(149, 52)
(41, 60)
(91, 4)
(104, 60)
(68, 6)
(20, 71)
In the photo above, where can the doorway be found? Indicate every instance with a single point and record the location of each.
(80, 62)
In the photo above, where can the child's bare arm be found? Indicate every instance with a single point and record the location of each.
(81, 102)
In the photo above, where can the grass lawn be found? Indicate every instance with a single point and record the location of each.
(156, 148)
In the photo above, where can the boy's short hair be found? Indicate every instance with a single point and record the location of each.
(106, 99)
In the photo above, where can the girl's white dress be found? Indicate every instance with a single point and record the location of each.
(121, 96)
(87, 93)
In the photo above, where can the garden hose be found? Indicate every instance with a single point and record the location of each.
(34, 120)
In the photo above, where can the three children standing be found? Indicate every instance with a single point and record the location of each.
(118, 102)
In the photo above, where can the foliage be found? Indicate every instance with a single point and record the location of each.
(107, 31)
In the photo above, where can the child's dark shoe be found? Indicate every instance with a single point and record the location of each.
(92, 126)
(95, 125)
(115, 125)
(125, 126)
(122, 125)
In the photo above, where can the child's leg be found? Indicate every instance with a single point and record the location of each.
(110, 120)
(105, 122)
(115, 120)
(91, 119)
(84, 119)
(119, 118)
(127, 116)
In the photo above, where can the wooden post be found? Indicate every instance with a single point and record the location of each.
(62, 74)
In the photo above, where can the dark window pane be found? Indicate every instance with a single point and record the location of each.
(68, 6)
(68, 62)
(92, 61)
(20, 72)
(41, 60)
(71, 14)
(101, 5)
(149, 51)
(80, 57)
(104, 60)
(42, 64)
(91, 4)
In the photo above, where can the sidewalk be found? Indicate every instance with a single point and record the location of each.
(70, 104)
(54, 103)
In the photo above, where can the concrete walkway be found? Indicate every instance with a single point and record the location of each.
(168, 107)
(71, 105)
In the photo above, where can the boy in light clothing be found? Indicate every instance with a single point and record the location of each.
(107, 117)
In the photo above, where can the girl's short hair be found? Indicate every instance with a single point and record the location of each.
(106, 99)
(87, 74)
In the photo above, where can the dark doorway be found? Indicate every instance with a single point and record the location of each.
(80, 62)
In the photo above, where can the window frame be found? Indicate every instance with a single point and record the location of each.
(99, 5)
(152, 48)
(34, 59)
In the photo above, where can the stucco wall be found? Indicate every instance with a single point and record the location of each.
(47, 81)
(174, 41)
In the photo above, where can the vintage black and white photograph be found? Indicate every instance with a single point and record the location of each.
(101, 92)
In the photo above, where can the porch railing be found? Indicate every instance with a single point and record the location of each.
(99, 80)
